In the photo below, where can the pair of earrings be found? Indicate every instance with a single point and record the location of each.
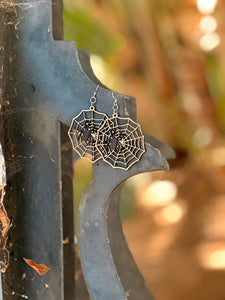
(118, 141)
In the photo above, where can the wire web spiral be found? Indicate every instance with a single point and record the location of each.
(83, 133)
(120, 142)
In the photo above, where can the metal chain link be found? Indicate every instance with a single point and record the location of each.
(115, 106)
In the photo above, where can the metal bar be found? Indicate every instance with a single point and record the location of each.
(57, 19)
(1, 293)
(101, 274)
(68, 214)
(3, 32)
(31, 146)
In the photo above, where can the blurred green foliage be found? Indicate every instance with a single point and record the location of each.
(89, 33)
(128, 201)
(82, 176)
(215, 78)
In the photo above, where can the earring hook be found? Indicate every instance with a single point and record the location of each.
(114, 97)
(115, 105)
(93, 98)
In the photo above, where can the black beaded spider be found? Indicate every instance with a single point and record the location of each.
(88, 134)
(116, 141)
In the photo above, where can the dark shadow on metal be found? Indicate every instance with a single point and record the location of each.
(132, 281)
(67, 214)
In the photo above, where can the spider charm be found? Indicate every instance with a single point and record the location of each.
(120, 142)
(83, 133)
(88, 133)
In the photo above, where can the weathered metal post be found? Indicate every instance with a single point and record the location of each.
(45, 82)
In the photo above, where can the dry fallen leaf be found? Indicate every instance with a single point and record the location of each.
(40, 269)
(4, 223)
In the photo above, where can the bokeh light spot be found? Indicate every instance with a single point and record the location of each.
(206, 6)
(212, 256)
(218, 157)
(208, 24)
(209, 41)
(159, 193)
(202, 137)
(170, 214)
(217, 259)
(173, 213)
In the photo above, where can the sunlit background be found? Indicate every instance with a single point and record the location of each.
(170, 55)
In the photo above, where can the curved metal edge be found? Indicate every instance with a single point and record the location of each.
(166, 150)
(84, 59)
(93, 238)
(130, 276)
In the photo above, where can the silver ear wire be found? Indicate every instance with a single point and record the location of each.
(115, 105)
(93, 98)
(114, 97)
(83, 131)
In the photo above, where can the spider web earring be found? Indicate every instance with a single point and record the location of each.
(120, 140)
(83, 131)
